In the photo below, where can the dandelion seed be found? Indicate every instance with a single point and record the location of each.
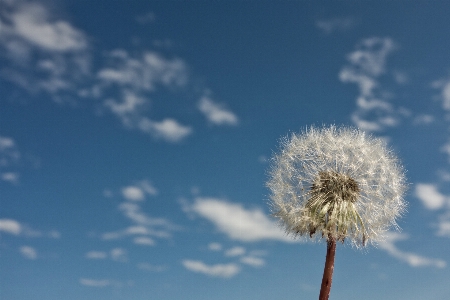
(337, 184)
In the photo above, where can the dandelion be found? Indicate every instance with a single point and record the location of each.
(336, 184)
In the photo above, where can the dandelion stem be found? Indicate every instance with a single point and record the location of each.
(328, 270)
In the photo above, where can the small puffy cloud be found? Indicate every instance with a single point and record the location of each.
(235, 251)
(12, 177)
(10, 226)
(138, 191)
(444, 227)
(167, 129)
(430, 196)
(94, 282)
(216, 113)
(133, 193)
(238, 223)
(252, 261)
(218, 270)
(119, 254)
(28, 252)
(96, 255)
(411, 259)
(335, 24)
(16, 228)
(215, 247)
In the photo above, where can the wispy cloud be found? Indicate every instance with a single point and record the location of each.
(253, 261)
(28, 252)
(366, 64)
(144, 228)
(411, 259)
(216, 113)
(137, 78)
(44, 53)
(443, 85)
(151, 268)
(217, 270)
(95, 282)
(9, 158)
(16, 228)
(433, 199)
(149, 17)
(237, 222)
(96, 255)
(235, 251)
(329, 26)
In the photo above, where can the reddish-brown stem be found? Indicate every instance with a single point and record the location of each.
(328, 270)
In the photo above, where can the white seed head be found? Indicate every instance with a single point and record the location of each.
(336, 182)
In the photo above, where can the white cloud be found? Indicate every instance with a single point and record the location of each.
(411, 259)
(218, 270)
(335, 24)
(238, 223)
(133, 193)
(430, 196)
(423, 119)
(31, 22)
(45, 54)
(11, 177)
(16, 228)
(446, 149)
(215, 247)
(366, 63)
(96, 255)
(9, 153)
(28, 252)
(94, 282)
(142, 73)
(444, 226)
(138, 191)
(145, 241)
(167, 129)
(119, 254)
(136, 230)
(10, 226)
(252, 261)
(216, 113)
(444, 86)
(235, 251)
(134, 212)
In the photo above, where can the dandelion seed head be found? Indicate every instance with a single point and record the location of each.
(336, 182)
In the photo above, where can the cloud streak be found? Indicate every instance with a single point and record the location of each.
(411, 259)
(366, 64)
(237, 222)
(217, 270)
(216, 113)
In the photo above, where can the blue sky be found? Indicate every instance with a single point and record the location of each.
(135, 138)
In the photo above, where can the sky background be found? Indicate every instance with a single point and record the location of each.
(135, 139)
